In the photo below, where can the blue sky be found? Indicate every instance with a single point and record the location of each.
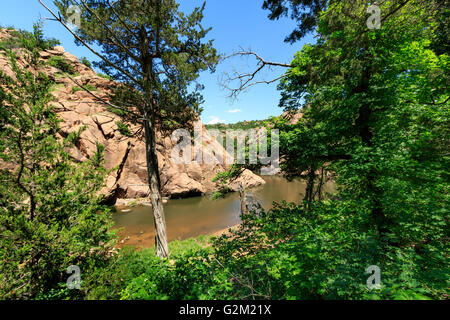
(235, 23)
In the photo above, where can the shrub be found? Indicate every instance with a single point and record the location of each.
(123, 128)
(51, 216)
(42, 42)
(322, 253)
(105, 76)
(89, 87)
(20, 38)
(62, 64)
(86, 62)
(139, 274)
(192, 274)
(116, 111)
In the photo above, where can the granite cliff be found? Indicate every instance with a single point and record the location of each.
(124, 155)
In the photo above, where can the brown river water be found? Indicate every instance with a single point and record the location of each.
(191, 217)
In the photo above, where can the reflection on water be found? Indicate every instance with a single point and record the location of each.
(191, 217)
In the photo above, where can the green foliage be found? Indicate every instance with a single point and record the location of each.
(89, 87)
(284, 253)
(62, 64)
(38, 34)
(116, 111)
(51, 216)
(243, 125)
(152, 284)
(235, 170)
(289, 253)
(86, 62)
(217, 194)
(109, 281)
(178, 248)
(181, 54)
(123, 128)
(192, 276)
(364, 119)
(139, 274)
(228, 175)
(305, 12)
(156, 52)
(375, 117)
(105, 76)
(375, 109)
(21, 39)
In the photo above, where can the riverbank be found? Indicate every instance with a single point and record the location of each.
(191, 217)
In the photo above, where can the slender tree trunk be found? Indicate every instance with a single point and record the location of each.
(161, 245)
(321, 183)
(162, 248)
(243, 197)
(309, 192)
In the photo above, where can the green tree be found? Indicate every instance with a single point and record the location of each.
(305, 12)
(50, 212)
(375, 114)
(156, 52)
(353, 86)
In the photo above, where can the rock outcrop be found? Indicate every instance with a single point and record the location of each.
(124, 155)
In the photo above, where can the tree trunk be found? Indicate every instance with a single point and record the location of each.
(162, 248)
(161, 245)
(309, 192)
(320, 185)
(243, 197)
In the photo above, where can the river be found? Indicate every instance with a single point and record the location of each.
(191, 217)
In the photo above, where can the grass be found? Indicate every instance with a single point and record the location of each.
(104, 76)
(132, 203)
(89, 87)
(61, 64)
(131, 262)
(57, 86)
(17, 38)
(65, 75)
(217, 194)
(177, 247)
(116, 111)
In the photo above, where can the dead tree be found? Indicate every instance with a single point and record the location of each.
(240, 81)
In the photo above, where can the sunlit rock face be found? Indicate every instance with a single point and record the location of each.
(125, 155)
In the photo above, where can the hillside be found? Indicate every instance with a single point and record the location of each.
(291, 117)
(123, 154)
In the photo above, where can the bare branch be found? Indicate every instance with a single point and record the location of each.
(261, 60)
(247, 80)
